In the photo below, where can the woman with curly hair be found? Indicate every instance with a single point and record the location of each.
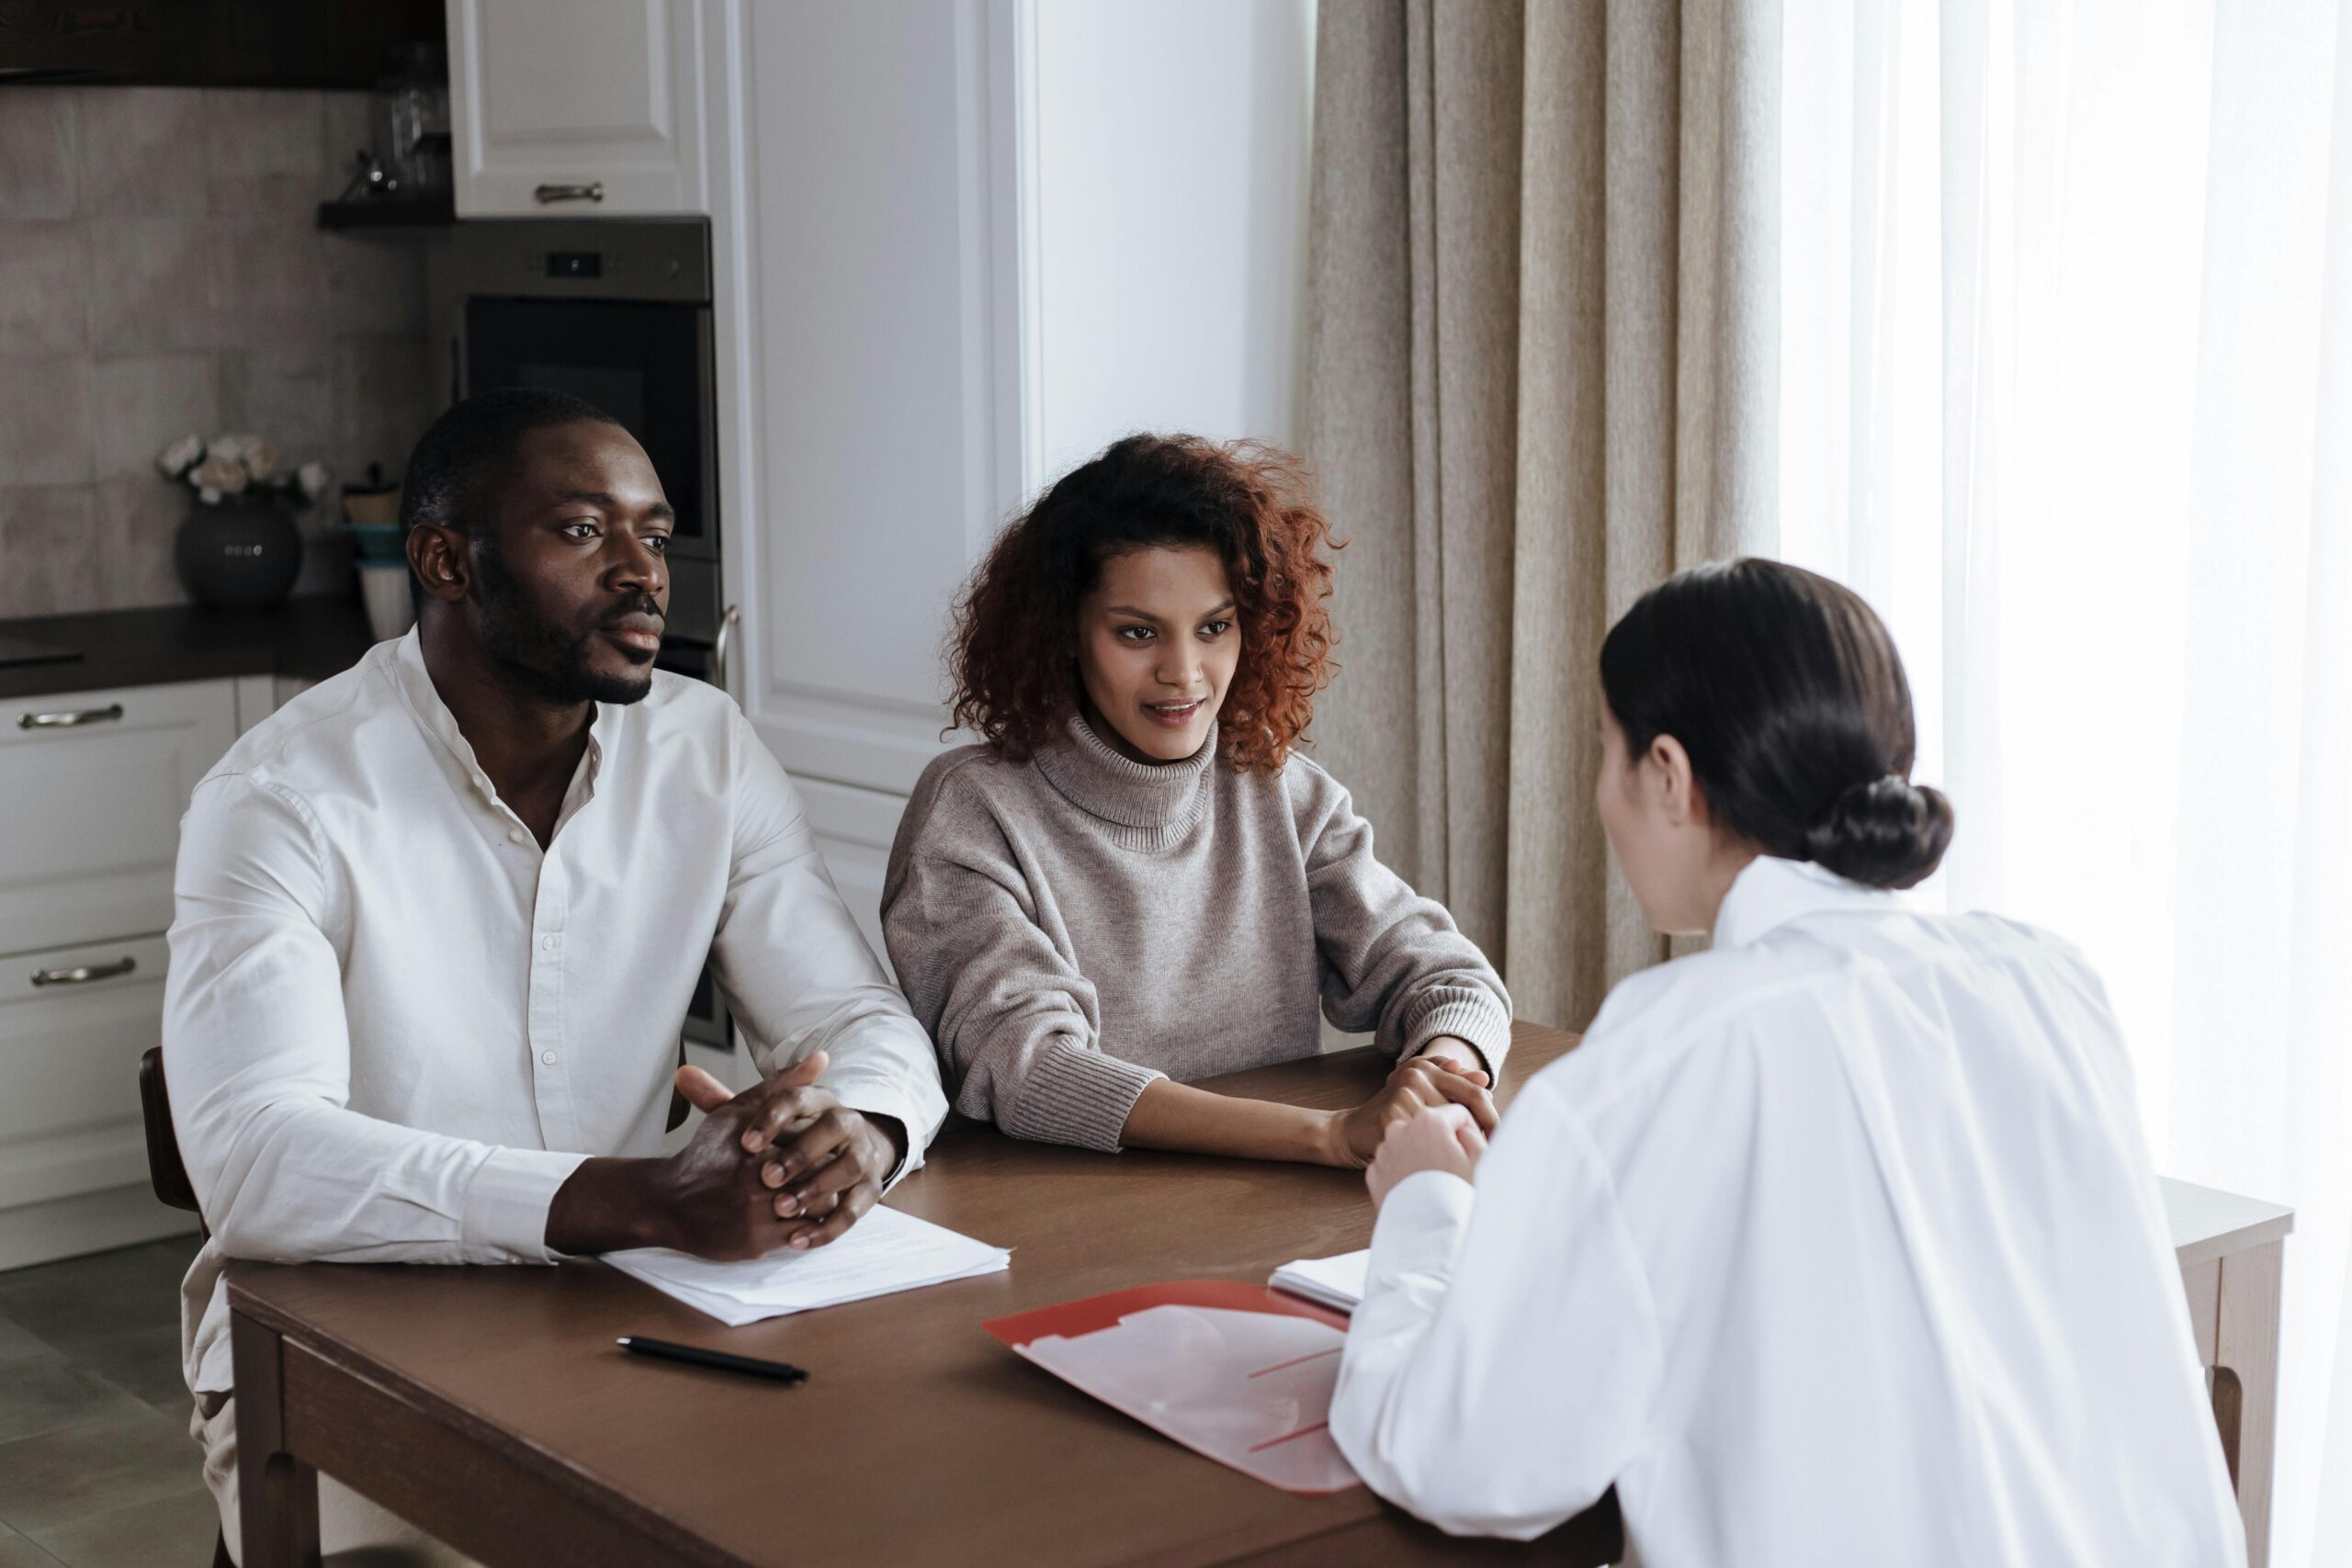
(1135, 880)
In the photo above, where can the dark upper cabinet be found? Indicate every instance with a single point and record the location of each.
(210, 43)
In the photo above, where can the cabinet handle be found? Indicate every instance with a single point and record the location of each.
(71, 719)
(547, 194)
(83, 974)
(720, 644)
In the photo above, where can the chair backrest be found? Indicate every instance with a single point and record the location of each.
(164, 1166)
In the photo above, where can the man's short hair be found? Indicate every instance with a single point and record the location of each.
(453, 476)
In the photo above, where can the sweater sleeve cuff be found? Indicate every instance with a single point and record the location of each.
(1478, 1021)
(507, 1202)
(1072, 1095)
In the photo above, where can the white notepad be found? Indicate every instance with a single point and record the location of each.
(885, 1252)
(1335, 1282)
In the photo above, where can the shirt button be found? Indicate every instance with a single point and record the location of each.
(548, 1057)
(517, 835)
(549, 943)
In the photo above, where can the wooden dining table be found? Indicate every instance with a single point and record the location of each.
(490, 1406)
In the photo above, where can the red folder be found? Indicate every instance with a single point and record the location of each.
(1182, 1358)
(1073, 1318)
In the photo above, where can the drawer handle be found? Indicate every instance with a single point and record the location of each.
(85, 974)
(546, 195)
(71, 719)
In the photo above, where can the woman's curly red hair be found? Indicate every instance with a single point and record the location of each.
(1014, 653)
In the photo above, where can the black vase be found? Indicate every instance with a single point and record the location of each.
(238, 554)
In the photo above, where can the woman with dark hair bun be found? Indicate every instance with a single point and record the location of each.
(1135, 879)
(1835, 1244)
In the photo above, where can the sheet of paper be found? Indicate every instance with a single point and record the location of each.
(1248, 1389)
(885, 1252)
(1336, 1283)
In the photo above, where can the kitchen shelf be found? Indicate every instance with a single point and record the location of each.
(388, 212)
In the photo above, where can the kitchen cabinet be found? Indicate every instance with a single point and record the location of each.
(577, 107)
(867, 328)
(96, 782)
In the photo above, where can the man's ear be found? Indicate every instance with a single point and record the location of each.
(1677, 786)
(439, 558)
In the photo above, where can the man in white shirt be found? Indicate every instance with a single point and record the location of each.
(440, 919)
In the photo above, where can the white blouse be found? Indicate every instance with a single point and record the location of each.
(1836, 1243)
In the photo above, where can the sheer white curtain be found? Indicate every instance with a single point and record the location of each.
(2066, 376)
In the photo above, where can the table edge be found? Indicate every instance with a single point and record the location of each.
(620, 1506)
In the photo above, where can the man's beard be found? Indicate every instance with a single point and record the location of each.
(541, 657)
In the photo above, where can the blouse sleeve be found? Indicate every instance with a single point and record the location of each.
(1016, 1025)
(1392, 961)
(1504, 1367)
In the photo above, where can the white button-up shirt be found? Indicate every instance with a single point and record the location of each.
(393, 1026)
(1834, 1245)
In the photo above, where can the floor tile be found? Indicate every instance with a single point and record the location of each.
(62, 1476)
(16, 1342)
(143, 1362)
(16, 1552)
(176, 1531)
(107, 1293)
(48, 1394)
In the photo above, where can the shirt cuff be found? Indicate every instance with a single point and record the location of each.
(869, 1099)
(1419, 1232)
(1482, 1024)
(507, 1202)
(1071, 1095)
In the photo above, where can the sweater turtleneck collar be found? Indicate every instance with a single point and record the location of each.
(1159, 797)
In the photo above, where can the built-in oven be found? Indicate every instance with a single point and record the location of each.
(617, 311)
(614, 310)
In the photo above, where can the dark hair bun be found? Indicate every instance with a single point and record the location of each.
(1885, 832)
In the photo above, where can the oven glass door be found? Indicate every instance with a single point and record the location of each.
(647, 364)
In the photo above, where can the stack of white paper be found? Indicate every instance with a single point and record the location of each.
(1335, 1282)
(885, 1252)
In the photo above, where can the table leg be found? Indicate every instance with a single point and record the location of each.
(2246, 1343)
(277, 1494)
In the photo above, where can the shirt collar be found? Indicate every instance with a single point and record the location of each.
(1771, 892)
(415, 684)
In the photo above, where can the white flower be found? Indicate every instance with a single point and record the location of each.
(181, 456)
(313, 478)
(209, 497)
(218, 476)
(234, 447)
(263, 461)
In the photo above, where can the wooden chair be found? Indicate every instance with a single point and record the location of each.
(164, 1169)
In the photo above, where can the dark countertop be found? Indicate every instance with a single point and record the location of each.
(310, 639)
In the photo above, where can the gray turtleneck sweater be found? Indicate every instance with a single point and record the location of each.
(1073, 927)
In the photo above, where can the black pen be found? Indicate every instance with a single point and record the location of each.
(695, 1354)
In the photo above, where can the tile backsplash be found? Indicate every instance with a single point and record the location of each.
(162, 273)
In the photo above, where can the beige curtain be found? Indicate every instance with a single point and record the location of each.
(1540, 377)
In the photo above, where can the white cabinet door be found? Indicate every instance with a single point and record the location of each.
(855, 828)
(576, 108)
(868, 364)
(96, 782)
(72, 1024)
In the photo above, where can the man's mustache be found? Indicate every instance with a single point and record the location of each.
(638, 605)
